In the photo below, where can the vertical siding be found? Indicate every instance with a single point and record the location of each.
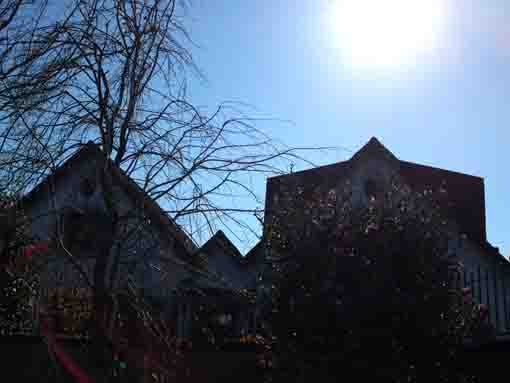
(489, 277)
(151, 244)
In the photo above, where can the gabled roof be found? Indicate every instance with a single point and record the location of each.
(157, 215)
(465, 205)
(221, 240)
(373, 148)
(87, 151)
(224, 260)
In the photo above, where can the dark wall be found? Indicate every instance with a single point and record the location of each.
(487, 362)
(25, 359)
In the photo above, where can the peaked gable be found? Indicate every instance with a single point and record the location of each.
(91, 152)
(225, 260)
(221, 241)
(465, 204)
(373, 149)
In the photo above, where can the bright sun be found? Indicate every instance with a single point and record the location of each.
(388, 33)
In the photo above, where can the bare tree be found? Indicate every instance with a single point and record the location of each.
(116, 72)
(31, 61)
(120, 80)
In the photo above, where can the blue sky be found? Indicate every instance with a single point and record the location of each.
(450, 109)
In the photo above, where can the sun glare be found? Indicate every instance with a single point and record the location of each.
(389, 33)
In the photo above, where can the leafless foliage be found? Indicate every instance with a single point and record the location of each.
(116, 72)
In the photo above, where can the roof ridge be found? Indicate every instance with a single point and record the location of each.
(314, 169)
(441, 169)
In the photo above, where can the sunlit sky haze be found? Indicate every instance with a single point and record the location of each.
(374, 35)
(430, 79)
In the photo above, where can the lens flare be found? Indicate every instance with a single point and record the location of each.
(390, 33)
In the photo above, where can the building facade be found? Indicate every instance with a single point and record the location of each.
(179, 277)
(370, 173)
